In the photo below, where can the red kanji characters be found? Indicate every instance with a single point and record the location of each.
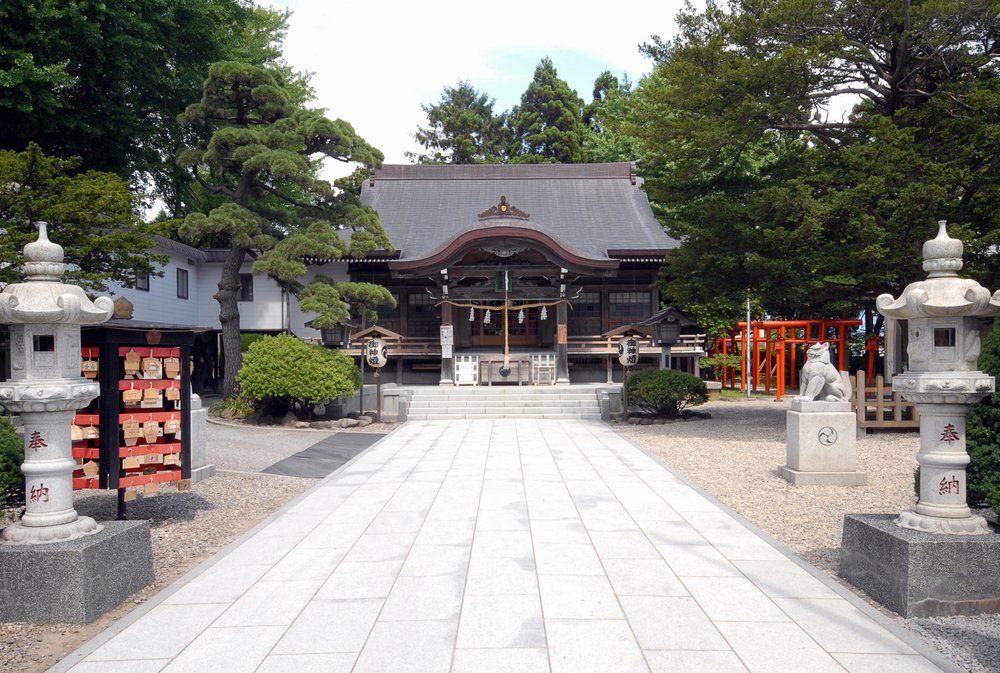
(949, 435)
(36, 442)
(40, 493)
(947, 487)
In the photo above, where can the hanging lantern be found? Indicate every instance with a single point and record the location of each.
(472, 315)
(628, 351)
(520, 317)
(544, 314)
(375, 352)
(486, 320)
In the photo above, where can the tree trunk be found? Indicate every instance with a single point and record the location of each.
(229, 316)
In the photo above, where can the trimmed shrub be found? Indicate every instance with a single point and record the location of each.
(665, 392)
(285, 368)
(247, 338)
(11, 457)
(983, 433)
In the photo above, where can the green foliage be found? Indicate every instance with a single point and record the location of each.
(548, 125)
(11, 457)
(666, 392)
(816, 214)
(104, 79)
(237, 406)
(719, 361)
(462, 129)
(337, 302)
(285, 367)
(983, 433)
(259, 167)
(91, 214)
(247, 338)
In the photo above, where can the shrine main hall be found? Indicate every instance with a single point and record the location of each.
(537, 264)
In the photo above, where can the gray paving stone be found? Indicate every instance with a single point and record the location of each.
(774, 647)
(840, 627)
(269, 604)
(498, 576)
(381, 547)
(697, 561)
(671, 532)
(218, 586)
(578, 597)
(367, 579)
(396, 522)
(685, 660)
(424, 598)
(330, 626)
(447, 532)
(567, 558)
(333, 535)
(501, 660)
(559, 530)
(885, 663)
(436, 559)
(306, 564)
(623, 544)
(161, 633)
(593, 646)
(671, 623)
(746, 547)
(408, 647)
(501, 622)
(784, 579)
(501, 544)
(643, 577)
(234, 650)
(130, 666)
(308, 663)
(733, 599)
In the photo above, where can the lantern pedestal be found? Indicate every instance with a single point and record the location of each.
(77, 581)
(920, 574)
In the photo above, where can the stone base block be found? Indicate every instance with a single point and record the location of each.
(800, 478)
(821, 441)
(202, 473)
(77, 581)
(920, 574)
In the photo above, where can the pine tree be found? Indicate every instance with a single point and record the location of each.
(462, 129)
(548, 126)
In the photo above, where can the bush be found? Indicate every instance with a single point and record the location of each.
(666, 392)
(238, 406)
(11, 457)
(983, 433)
(247, 338)
(285, 368)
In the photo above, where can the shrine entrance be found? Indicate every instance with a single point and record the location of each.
(519, 334)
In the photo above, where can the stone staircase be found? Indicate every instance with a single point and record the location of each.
(432, 403)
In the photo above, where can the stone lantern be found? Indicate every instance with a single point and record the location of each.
(46, 388)
(943, 381)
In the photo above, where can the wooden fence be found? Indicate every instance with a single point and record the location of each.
(878, 407)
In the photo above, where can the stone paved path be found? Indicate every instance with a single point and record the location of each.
(502, 546)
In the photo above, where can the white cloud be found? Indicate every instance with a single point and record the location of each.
(375, 63)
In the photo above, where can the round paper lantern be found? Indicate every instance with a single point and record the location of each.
(376, 352)
(628, 351)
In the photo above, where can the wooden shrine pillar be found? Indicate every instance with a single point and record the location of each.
(562, 344)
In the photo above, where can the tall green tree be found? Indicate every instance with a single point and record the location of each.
(548, 126)
(104, 80)
(462, 129)
(92, 214)
(259, 170)
(770, 189)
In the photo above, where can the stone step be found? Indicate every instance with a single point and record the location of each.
(423, 404)
(495, 416)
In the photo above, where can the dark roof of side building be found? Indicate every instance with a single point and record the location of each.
(598, 210)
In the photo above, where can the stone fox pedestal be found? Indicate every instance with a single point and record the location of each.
(822, 444)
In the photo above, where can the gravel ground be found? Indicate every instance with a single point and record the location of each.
(734, 455)
(186, 528)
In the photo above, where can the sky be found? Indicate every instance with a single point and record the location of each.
(375, 63)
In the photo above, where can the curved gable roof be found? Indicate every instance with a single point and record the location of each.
(593, 207)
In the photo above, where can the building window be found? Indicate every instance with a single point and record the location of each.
(585, 318)
(246, 287)
(420, 318)
(627, 308)
(142, 281)
(182, 284)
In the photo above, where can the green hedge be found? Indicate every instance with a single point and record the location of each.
(11, 457)
(286, 368)
(665, 392)
(983, 433)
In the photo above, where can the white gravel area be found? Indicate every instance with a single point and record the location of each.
(734, 455)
